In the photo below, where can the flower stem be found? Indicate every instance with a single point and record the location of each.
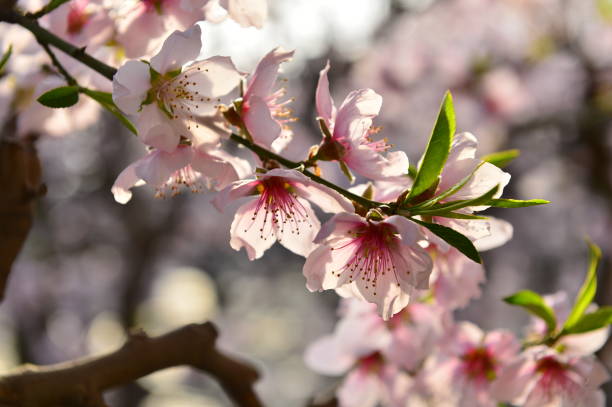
(46, 37)
(266, 154)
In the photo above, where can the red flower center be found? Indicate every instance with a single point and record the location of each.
(478, 363)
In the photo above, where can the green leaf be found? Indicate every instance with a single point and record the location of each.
(456, 215)
(588, 289)
(412, 171)
(5, 57)
(501, 158)
(591, 321)
(452, 190)
(535, 305)
(106, 100)
(516, 203)
(346, 171)
(65, 96)
(453, 238)
(437, 149)
(454, 205)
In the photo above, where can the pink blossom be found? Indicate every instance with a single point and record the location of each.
(142, 24)
(264, 114)
(468, 363)
(175, 101)
(193, 168)
(542, 377)
(247, 13)
(415, 332)
(455, 279)
(485, 233)
(82, 23)
(350, 128)
(355, 349)
(378, 261)
(278, 209)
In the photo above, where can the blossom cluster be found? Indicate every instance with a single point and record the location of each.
(111, 31)
(183, 109)
(423, 357)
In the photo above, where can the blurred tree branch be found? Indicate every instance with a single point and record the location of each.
(82, 382)
(20, 182)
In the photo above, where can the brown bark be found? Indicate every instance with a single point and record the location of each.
(82, 382)
(20, 184)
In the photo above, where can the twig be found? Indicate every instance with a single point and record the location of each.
(266, 154)
(82, 382)
(69, 78)
(44, 36)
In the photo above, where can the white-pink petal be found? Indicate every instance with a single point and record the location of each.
(324, 101)
(263, 79)
(130, 86)
(180, 48)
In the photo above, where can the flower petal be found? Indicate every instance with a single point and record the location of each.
(234, 191)
(374, 165)
(246, 230)
(299, 241)
(219, 167)
(130, 86)
(261, 82)
(124, 182)
(179, 48)
(155, 130)
(213, 77)
(355, 116)
(158, 166)
(500, 232)
(264, 129)
(325, 103)
(327, 356)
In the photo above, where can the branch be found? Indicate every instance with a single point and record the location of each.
(266, 154)
(44, 36)
(82, 382)
(21, 184)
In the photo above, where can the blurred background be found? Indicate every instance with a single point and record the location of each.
(529, 74)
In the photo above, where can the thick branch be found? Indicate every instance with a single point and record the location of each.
(81, 382)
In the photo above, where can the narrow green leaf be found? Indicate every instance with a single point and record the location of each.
(437, 149)
(456, 215)
(501, 158)
(65, 96)
(106, 100)
(5, 57)
(346, 171)
(412, 171)
(591, 321)
(454, 205)
(452, 237)
(516, 203)
(452, 190)
(588, 289)
(535, 305)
